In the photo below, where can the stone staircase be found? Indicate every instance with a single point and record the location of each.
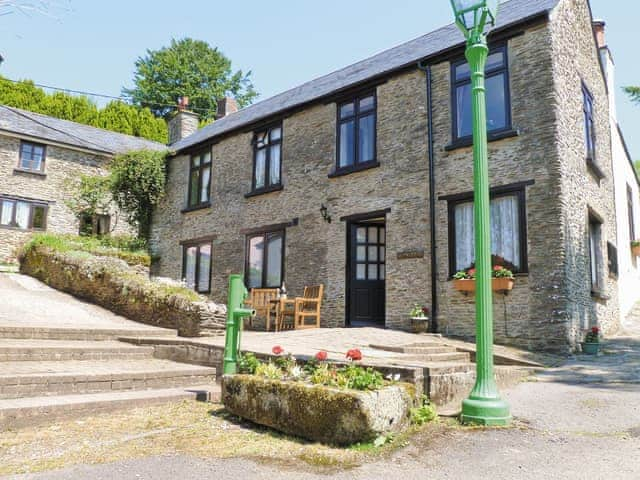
(53, 373)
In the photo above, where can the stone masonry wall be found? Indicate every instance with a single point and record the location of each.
(581, 190)
(62, 166)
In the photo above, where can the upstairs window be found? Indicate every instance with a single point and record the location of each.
(196, 266)
(264, 262)
(589, 125)
(595, 253)
(356, 133)
(267, 156)
(32, 157)
(497, 91)
(23, 215)
(200, 180)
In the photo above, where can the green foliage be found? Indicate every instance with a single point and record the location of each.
(634, 93)
(89, 195)
(190, 68)
(131, 250)
(636, 164)
(424, 413)
(137, 185)
(248, 363)
(115, 116)
(359, 378)
(268, 370)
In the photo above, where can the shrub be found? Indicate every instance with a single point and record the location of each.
(248, 363)
(423, 414)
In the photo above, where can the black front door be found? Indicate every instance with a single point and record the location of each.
(367, 273)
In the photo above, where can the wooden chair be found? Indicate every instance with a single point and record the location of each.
(260, 300)
(301, 308)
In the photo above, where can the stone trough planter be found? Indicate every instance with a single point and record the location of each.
(318, 413)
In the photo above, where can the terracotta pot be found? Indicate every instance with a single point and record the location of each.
(635, 251)
(497, 285)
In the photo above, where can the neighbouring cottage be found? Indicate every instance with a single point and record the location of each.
(40, 158)
(361, 180)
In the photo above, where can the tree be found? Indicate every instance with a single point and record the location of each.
(115, 116)
(137, 185)
(187, 68)
(634, 93)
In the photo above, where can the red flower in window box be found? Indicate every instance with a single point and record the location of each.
(277, 350)
(321, 356)
(354, 355)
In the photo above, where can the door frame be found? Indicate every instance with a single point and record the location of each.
(349, 221)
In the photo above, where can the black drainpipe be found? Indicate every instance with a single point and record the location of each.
(432, 199)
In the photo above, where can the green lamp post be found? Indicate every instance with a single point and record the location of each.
(484, 405)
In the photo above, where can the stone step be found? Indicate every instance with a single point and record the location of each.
(21, 412)
(441, 357)
(16, 350)
(423, 349)
(32, 379)
(82, 334)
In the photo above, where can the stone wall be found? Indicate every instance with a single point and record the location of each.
(582, 191)
(62, 166)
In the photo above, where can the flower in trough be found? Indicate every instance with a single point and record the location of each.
(321, 356)
(296, 372)
(277, 350)
(393, 378)
(354, 355)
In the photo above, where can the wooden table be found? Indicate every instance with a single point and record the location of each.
(280, 306)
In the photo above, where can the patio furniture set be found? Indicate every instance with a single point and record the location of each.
(295, 313)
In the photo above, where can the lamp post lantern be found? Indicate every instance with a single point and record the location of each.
(484, 405)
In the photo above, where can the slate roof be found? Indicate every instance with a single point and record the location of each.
(45, 128)
(445, 38)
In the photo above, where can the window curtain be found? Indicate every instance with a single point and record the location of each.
(190, 267)
(7, 212)
(22, 215)
(505, 232)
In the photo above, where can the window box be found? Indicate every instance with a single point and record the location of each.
(635, 249)
(502, 285)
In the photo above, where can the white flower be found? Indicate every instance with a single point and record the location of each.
(296, 372)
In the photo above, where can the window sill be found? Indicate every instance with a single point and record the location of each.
(18, 229)
(492, 137)
(599, 295)
(595, 170)
(264, 191)
(353, 169)
(37, 173)
(195, 208)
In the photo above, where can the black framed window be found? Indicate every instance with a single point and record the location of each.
(595, 252)
(264, 262)
(508, 231)
(497, 91)
(267, 159)
(32, 156)
(631, 214)
(200, 180)
(98, 224)
(589, 124)
(612, 255)
(356, 132)
(23, 215)
(196, 266)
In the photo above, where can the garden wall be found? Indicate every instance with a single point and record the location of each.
(114, 285)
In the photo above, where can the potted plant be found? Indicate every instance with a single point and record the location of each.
(419, 319)
(635, 248)
(591, 344)
(502, 280)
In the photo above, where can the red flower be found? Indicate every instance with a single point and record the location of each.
(277, 350)
(595, 330)
(472, 271)
(354, 354)
(425, 310)
(321, 356)
(497, 268)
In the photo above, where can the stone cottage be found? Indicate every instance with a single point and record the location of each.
(361, 180)
(40, 158)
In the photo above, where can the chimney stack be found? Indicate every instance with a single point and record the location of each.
(599, 29)
(226, 106)
(184, 122)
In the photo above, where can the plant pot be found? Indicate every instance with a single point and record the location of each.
(590, 348)
(497, 285)
(635, 251)
(419, 324)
